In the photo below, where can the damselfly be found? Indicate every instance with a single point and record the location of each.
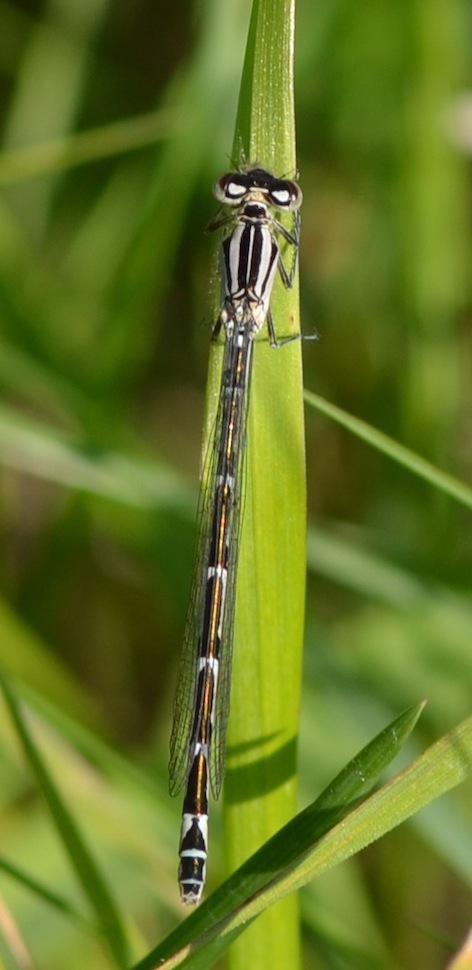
(251, 257)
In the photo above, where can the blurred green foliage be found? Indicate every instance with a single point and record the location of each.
(115, 120)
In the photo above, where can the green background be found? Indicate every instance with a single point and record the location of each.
(105, 277)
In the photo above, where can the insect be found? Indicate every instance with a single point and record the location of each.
(251, 257)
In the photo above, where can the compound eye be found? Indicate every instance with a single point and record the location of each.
(281, 197)
(230, 189)
(287, 195)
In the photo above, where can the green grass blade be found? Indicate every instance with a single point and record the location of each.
(41, 450)
(94, 887)
(260, 789)
(397, 452)
(24, 655)
(302, 851)
(85, 147)
(443, 766)
(45, 894)
(222, 911)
